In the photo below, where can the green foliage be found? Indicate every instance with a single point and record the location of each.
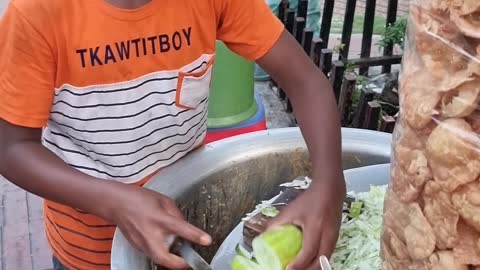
(359, 85)
(350, 67)
(394, 34)
(339, 48)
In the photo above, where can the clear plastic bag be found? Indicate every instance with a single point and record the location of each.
(432, 207)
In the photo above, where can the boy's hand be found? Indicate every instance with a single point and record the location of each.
(318, 212)
(149, 219)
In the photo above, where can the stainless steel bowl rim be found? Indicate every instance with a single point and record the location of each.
(190, 170)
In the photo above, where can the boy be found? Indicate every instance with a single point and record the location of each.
(98, 95)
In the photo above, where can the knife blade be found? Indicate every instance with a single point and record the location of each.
(185, 250)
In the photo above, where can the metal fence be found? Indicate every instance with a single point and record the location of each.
(368, 113)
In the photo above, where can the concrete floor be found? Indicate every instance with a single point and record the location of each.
(3, 5)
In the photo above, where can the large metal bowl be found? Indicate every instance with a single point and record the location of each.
(216, 185)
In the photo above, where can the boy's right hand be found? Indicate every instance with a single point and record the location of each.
(148, 220)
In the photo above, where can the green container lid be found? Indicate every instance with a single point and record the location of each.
(232, 90)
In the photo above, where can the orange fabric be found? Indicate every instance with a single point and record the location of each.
(79, 240)
(48, 44)
(46, 50)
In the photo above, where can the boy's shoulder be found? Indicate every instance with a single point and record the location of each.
(39, 11)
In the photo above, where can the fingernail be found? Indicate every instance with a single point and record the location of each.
(206, 239)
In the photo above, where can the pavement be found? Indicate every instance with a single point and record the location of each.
(23, 245)
(3, 5)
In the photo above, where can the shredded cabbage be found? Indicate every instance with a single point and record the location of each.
(296, 184)
(358, 247)
(270, 212)
(261, 207)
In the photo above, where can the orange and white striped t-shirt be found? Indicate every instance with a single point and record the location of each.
(121, 93)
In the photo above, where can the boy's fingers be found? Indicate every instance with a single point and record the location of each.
(171, 208)
(187, 231)
(315, 265)
(174, 211)
(328, 242)
(309, 250)
(279, 220)
(156, 249)
(169, 260)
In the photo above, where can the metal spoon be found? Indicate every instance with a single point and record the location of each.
(324, 263)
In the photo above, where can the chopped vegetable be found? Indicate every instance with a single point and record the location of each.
(276, 248)
(355, 209)
(270, 212)
(298, 184)
(241, 251)
(273, 250)
(242, 263)
(358, 247)
(260, 207)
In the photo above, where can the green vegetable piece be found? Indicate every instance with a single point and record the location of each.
(276, 248)
(270, 212)
(356, 209)
(242, 263)
(241, 251)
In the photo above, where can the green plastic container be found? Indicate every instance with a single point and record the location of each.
(232, 90)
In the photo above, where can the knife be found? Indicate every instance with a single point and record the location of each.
(185, 250)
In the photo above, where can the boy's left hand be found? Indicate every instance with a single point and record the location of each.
(318, 212)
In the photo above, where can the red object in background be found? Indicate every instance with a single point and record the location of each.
(213, 136)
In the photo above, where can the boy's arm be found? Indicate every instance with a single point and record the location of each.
(145, 217)
(318, 210)
(29, 165)
(313, 102)
(250, 29)
(28, 68)
(27, 76)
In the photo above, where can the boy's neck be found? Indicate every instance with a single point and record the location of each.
(128, 4)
